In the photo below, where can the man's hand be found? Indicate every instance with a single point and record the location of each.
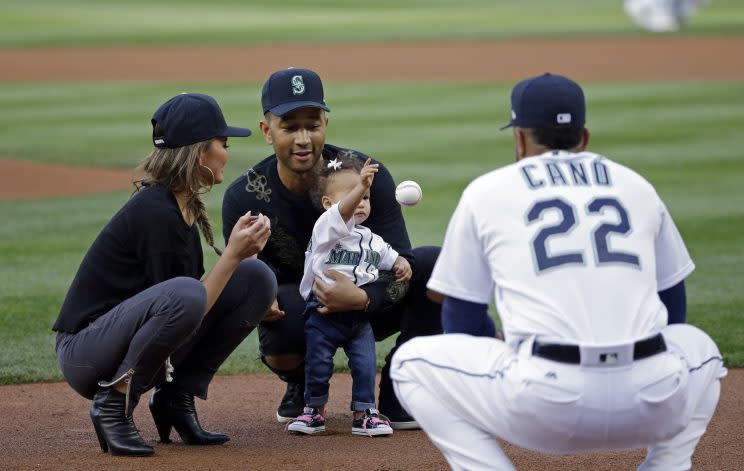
(343, 295)
(402, 269)
(274, 313)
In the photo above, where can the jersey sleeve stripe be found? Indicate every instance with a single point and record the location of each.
(448, 290)
(675, 278)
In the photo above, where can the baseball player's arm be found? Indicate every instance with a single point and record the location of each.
(673, 265)
(675, 300)
(462, 270)
(673, 262)
(465, 317)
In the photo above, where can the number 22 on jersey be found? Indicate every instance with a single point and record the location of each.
(600, 235)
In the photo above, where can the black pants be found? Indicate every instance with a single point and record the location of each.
(167, 320)
(412, 315)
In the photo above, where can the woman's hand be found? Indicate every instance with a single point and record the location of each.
(402, 269)
(343, 295)
(249, 236)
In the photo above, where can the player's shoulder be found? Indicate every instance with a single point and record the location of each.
(502, 180)
(620, 173)
(487, 182)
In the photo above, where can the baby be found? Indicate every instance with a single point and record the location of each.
(341, 243)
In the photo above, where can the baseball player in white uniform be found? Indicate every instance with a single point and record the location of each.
(585, 265)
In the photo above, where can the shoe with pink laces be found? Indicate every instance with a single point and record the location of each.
(310, 422)
(372, 424)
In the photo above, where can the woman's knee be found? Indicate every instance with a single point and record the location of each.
(190, 300)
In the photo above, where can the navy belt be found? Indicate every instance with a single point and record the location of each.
(572, 354)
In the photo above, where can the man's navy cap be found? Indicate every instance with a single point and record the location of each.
(189, 118)
(547, 100)
(289, 89)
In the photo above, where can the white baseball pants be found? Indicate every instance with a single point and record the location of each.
(465, 391)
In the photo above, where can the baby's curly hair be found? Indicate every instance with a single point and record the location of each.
(326, 172)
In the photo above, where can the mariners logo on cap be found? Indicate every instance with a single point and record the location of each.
(298, 85)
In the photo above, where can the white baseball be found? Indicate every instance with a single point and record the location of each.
(408, 193)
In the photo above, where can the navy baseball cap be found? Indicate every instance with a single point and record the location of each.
(289, 89)
(189, 118)
(547, 100)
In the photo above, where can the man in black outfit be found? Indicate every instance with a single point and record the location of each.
(295, 125)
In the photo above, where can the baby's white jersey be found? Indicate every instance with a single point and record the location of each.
(355, 251)
(572, 246)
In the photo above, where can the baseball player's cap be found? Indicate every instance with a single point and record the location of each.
(289, 89)
(547, 100)
(189, 118)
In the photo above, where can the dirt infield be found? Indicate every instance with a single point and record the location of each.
(30, 180)
(628, 58)
(46, 426)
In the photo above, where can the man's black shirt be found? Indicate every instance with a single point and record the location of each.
(292, 216)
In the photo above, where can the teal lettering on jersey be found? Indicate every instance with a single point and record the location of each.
(372, 257)
(343, 257)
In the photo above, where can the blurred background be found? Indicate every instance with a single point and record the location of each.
(420, 85)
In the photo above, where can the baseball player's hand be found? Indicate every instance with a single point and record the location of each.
(368, 173)
(274, 313)
(342, 295)
(249, 236)
(402, 269)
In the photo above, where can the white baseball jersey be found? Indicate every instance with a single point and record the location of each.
(574, 247)
(355, 251)
(537, 233)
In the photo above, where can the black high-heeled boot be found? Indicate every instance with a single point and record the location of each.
(115, 429)
(172, 408)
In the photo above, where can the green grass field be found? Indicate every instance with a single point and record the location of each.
(684, 137)
(96, 22)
